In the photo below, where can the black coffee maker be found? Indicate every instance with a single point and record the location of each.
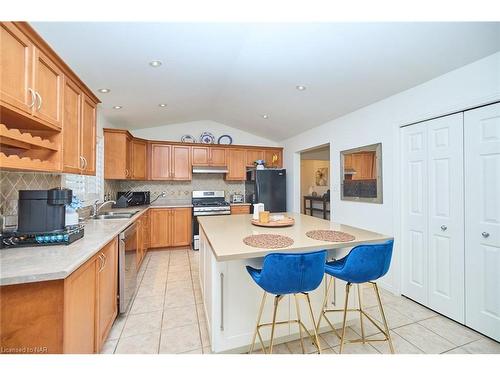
(42, 210)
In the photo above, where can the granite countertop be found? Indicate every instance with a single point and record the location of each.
(226, 234)
(43, 263)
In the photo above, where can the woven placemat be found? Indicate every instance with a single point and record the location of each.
(330, 235)
(268, 241)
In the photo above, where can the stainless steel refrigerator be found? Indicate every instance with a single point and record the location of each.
(267, 186)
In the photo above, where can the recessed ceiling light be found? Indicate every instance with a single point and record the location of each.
(117, 107)
(300, 87)
(265, 116)
(155, 63)
(162, 105)
(104, 91)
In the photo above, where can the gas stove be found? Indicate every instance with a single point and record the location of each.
(207, 203)
(58, 237)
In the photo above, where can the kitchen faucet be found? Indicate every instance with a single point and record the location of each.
(97, 207)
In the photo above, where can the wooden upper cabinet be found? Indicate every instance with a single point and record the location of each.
(16, 73)
(217, 157)
(107, 290)
(160, 162)
(253, 155)
(72, 162)
(88, 135)
(236, 164)
(139, 159)
(115, 155)
(181, 163)
(275, 154)
(181, 226)
(200, 155)
(48, 82)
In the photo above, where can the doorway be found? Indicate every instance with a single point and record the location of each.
(315, 182)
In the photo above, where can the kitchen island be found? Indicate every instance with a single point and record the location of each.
(231, 298)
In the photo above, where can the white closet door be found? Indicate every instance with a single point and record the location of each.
(446, 216)
(482, 237)
(415, 213)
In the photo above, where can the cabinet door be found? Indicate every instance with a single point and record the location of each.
(115, 155)
(446, 216)
(217, 157)
(415, 213)
(48, 87)
(181, 226)
(253, 155)
(160, 162)
(107, 290)
(201, 155)
(88, 135)
(80, 309)
(273, 158)
(482, 220)
(236, 165)
(160, 228)
(16, 72)
(139, 160)
(181, 163)
(72, 161)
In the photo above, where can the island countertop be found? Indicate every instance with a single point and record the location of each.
(226, 233)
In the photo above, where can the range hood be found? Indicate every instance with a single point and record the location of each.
(209, 169)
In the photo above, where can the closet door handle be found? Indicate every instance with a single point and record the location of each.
(39, 100)
(443, 227)
(485, 234)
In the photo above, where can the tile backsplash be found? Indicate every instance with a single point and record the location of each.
(12, 182)
(178, 191)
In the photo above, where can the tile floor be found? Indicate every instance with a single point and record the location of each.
(166, 316)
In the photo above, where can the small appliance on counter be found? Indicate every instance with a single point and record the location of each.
(237, 198)
(41, 220)
(132, 198)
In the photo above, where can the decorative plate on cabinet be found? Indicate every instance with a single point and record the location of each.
(188, 139)
(225, 140)
(207, 138)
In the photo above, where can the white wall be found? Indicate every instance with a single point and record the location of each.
(474, 84)
(174, 132)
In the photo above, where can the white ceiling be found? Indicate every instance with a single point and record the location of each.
(234, 73)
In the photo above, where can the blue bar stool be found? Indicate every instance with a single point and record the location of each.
(291, 273)
(363, 264)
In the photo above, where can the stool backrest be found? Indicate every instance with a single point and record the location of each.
(368, 262)
(285, 273)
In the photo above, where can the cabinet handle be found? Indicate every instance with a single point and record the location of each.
(33, 98)
(105, 259)
(443, 227)
(485, 234)
(39, 100)
(85, 163)
(222, 301)
(126, 173)
(82, 163)
(101, 266)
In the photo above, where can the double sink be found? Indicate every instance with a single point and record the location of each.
(115, 215)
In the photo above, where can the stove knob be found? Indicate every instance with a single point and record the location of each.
(59, 238)
(39, 239)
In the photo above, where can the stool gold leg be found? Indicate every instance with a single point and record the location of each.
(347, 287)
(361, 313)
(263, 302)
(313, 323)
(299, 320)
(325, 300)
(276, 301)
(386, 326)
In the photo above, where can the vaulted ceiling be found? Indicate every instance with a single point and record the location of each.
(236, 73)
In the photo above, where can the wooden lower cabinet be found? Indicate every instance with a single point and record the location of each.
(240, 209)
(73, 315)
(170, 227)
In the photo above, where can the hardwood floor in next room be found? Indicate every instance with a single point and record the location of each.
(166, 316)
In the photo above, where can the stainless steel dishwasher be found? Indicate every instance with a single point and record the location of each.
(127, 266)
